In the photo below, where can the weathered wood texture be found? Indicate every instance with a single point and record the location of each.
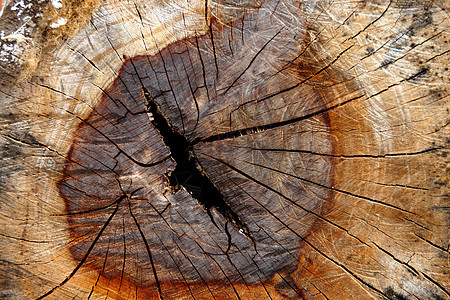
(323, 125)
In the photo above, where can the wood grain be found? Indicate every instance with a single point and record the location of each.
(322, 124)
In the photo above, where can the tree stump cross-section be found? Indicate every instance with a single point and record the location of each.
(224, 150)
(124, 164)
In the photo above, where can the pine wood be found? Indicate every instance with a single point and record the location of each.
(322, 124)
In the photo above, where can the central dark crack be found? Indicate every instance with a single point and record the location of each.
(188, 173)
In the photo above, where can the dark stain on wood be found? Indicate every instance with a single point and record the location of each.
(128, 222)
(188, 173)
(394, 296)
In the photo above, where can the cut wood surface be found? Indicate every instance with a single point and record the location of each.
(224, 150)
